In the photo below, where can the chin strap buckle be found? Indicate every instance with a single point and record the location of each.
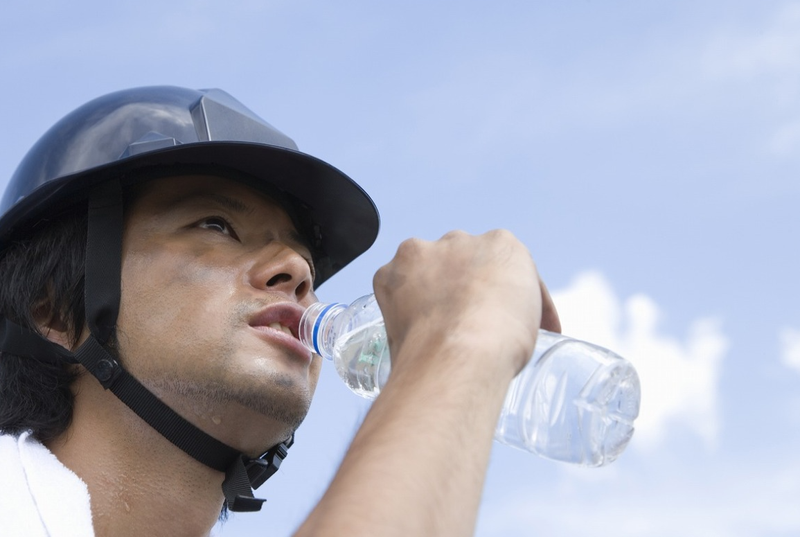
(99, 362)
(246, 474)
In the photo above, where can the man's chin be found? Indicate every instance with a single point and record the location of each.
(276, 403)
(284, 403)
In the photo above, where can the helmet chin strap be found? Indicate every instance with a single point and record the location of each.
(103, 277)
(242, 473)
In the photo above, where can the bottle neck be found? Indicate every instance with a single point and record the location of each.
(316, 328)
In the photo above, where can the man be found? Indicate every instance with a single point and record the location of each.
(158, 248)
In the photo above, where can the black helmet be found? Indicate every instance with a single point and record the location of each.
(93, 153)
(158, 127)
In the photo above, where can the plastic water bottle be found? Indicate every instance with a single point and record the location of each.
(574, 402)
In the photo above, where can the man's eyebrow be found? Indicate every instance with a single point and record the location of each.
(227, 202)
(233, 204)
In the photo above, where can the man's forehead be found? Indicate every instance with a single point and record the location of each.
(235, 196)
(203, 185)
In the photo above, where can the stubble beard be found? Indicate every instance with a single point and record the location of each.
(283, 401)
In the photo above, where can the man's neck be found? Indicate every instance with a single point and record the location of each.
(139, 483)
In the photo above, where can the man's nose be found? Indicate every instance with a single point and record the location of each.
(280, 268)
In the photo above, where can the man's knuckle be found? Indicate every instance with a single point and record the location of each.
(410, 247)
(455, 234)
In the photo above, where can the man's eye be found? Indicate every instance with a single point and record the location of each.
(217, 224)
(311, 266)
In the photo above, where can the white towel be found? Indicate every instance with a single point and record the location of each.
(39, 496)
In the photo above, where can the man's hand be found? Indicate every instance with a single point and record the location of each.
(483, 288)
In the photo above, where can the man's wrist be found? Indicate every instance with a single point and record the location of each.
(466, 355)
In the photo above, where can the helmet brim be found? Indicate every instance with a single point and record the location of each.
(343, 216)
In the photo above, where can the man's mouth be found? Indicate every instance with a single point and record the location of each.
(281, 318)
(280, 327)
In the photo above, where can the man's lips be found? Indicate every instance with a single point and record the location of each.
(280, 322)
(285, 314)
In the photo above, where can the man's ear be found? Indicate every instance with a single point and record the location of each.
(50, 325)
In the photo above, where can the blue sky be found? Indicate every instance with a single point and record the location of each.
(646, 152)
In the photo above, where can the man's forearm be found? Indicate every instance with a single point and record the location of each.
(418, 463)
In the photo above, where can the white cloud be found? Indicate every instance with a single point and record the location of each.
(764, 58)
(785, 140)
(715, 500)
(790, 348)
(748, 67)
(772, 49)
(679, 378)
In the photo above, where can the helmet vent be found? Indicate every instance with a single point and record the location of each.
(218, 117)
(149, 142)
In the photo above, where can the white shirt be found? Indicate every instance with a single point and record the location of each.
(39, 496)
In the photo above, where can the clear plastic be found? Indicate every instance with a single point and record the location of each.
(574, 402)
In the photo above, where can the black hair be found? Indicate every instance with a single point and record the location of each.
(42, 279)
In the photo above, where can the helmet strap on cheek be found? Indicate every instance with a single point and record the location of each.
(103, 281)
(104, 259)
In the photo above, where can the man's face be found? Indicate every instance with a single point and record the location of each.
(214, 280)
